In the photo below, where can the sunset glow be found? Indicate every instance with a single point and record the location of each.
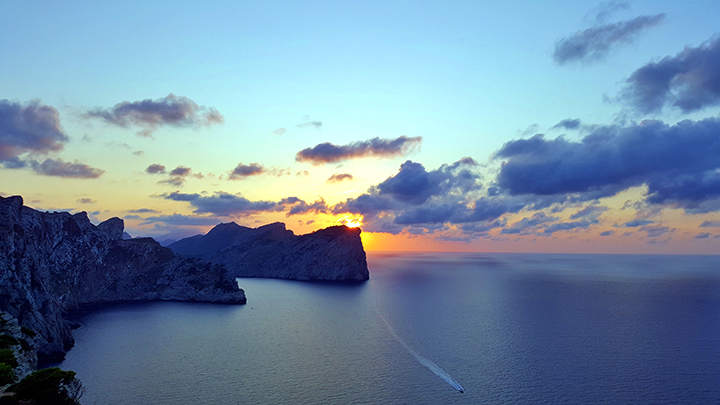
(451, 128)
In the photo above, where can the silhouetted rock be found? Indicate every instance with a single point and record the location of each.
(332, 254)
(52, 263)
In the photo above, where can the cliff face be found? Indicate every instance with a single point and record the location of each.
(331, 254)
(52, 263)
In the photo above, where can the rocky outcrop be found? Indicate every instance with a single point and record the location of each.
(331, 254)
(53, 263)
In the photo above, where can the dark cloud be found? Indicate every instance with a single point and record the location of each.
(710, 224)
(689, 81)
(656, 231)
(181, 220)
(568, 123)
(155, 168)
(138, 153)
(31, 127)
(58, 168)
(144, 211)
(151, 114)
(181, 171)
(566, 226)
(637, 222)
(330, 153)
(607, 233)
(222, 204)
(243, 171)
(594, 43)
(298, 206)
(591, 211)
(525, 225)
(86, 201)
(703, 235)
(338, 177)
(179, 175)
(678, 163)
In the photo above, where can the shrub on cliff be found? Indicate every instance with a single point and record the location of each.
(49, 386)
(8, 357)
(7, 341)
(7, 375)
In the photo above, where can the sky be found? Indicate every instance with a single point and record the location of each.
(571, 127)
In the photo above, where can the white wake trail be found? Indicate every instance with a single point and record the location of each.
(422, 360)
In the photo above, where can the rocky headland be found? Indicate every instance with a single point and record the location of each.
(331, 254)
(54, 263)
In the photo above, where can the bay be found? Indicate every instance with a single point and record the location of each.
(509, 328)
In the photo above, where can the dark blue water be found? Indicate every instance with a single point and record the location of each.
(508, 328)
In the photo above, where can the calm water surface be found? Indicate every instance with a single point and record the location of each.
(509, 328)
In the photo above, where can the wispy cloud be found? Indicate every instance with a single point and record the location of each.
(594, 43)
(376, 147)
(150, 114)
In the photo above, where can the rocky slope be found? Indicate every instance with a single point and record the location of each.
(331, 254)
(53, 263)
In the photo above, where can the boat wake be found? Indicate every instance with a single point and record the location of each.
(422, 360)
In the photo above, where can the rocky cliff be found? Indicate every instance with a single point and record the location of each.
(53, 263)
(331, 254)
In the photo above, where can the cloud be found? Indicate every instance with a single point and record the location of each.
(222, 204)
(568, 123)
(524, 225)
(607, 8)
(86, 201)
(656, 231)
(31, 127)
(637, 222)
(689, 81)
(144, 211)
(151, 114)
(280, 131)
(310, 124)
(179, 175)
(181, 220)
(566, 226)
(703, 235)
(710, 224)
(58, 168)
(338, 177)
(607, 233)
(298, 206)
(242, 171)
(594, 43)
(180, 171)
(415, 197)
(330, 153)
(591, 211)
(678, 164)
(155, 168)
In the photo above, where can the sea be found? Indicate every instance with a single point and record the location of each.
(427, 328)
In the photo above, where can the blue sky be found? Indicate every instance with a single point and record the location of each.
(468, 78)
